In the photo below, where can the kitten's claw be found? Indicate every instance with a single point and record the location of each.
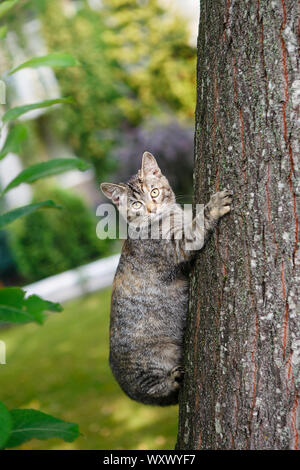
(219, 203)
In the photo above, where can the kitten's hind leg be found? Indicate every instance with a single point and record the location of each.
(158, 381)
(164, 390)
(177, 374)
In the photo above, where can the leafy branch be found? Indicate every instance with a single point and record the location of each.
(17, 425)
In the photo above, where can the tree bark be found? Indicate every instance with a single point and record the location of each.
(242, 345)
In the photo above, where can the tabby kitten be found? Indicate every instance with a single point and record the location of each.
(151, 286)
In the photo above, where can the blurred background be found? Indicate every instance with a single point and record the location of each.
(134, 89)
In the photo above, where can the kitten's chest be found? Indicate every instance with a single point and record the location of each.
(148, 279)
(152, 252)
(150, 263)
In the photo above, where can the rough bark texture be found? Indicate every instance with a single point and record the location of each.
(242, 358)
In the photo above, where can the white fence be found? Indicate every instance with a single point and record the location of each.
(76, 282)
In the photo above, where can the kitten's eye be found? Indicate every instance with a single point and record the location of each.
(155, 192)
(136, 205)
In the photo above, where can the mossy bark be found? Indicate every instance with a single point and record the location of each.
(242, 348)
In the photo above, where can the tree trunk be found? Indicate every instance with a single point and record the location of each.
(242, 349)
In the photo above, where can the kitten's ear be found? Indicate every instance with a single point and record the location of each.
(149, 165)
(113, 191)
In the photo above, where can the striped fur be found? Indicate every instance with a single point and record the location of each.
(150, 291)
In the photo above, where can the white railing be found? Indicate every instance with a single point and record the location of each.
(76, 282)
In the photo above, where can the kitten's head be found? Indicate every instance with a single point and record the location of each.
(145, 197)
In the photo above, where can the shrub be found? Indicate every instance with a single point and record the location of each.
(7, 265)
(49, 242)
(136, 62)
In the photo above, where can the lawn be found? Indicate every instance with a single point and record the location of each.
(62, 368)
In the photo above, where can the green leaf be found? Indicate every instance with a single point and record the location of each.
(51, 60)
(35, 305)
(14, 315)
(46, 169)
(5, 424)
(15, 308)
(33, 424)
(12, 296)
(13, 141)
(14, 113)
(3, 31)
(6, 6)
(11, 216)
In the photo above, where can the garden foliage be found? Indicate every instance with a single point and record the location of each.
(136, 63)
(47, 243)
(17, 426)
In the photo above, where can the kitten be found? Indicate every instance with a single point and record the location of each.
(151, 286)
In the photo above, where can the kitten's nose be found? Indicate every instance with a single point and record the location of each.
(151, 208)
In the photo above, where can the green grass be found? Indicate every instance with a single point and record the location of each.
(61, 368)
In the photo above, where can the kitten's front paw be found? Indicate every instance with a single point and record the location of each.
(219, 204)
